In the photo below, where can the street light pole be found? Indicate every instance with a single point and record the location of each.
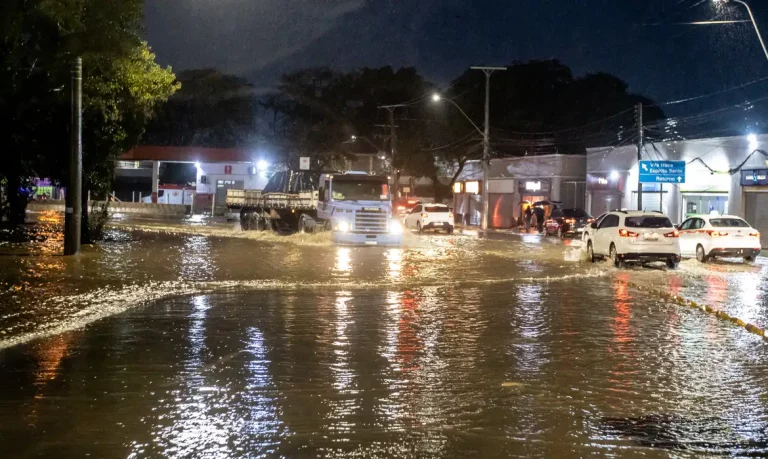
(393, 144)
(754, 22)
(73, 210)
(486, 138)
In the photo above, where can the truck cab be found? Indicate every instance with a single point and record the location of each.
(356, 207)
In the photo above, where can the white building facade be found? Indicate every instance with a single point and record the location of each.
(727, 175)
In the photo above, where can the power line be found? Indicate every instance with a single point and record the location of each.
(715, 93)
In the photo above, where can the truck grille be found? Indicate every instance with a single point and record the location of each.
(370, 222)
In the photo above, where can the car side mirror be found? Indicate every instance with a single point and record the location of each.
(593, 225)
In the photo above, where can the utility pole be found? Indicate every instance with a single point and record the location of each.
(640, 142)
(486, 138)
(74, 209)
(393, 148)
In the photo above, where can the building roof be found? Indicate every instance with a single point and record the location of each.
(188, 154)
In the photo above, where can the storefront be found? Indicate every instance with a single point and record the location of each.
(603, 192)
(754, 184)
(514, 183)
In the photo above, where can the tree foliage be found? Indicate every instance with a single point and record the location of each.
(212, 109)
(122, 87)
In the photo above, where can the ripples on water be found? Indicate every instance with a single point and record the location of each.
(449, 347)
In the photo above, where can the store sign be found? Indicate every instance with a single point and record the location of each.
(457, 187)
(754, 177)
(602, 181)
(533, 186)
(662, 172)
(304, 163)
(472, 187)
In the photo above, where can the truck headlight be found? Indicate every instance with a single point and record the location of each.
(344, 226)
(395, 227)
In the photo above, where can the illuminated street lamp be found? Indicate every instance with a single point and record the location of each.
(751, 17)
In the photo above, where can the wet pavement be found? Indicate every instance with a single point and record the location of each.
(197, 340)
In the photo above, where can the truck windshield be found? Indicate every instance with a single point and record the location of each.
(360, 190)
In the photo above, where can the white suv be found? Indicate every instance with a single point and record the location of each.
(634, 236)
(430, 216)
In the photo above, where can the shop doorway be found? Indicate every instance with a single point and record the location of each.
(704, 203)
(756, 213)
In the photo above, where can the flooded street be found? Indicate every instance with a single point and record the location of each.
(198, 340)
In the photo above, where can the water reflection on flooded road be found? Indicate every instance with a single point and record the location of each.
(447, 347)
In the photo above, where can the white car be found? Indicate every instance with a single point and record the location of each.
(430, 216)
(634, 236)
(708, 236)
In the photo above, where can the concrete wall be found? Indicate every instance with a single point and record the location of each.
(136, 208)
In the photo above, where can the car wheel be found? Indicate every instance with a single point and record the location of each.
(617, 262)
(672, 263)
(449, 230)
(590, 252)
(749, 259)
(419, 228)
(700, 254)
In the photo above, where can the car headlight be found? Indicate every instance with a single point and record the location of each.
(395, 227)
(344, 226)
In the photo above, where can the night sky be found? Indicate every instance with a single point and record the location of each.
(641, 41)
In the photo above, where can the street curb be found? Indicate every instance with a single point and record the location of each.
(679, 300)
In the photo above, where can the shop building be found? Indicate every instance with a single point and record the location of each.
(516, 182)
(725, 174)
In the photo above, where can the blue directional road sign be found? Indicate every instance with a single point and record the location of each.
(662, 171)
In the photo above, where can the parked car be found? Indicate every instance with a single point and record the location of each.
(567, 222)
(430, 217)
(634, 236)
(708, 236)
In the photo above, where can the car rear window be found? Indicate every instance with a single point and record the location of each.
(576, 213)
(436, 209)
(729, 223)
(647, 222)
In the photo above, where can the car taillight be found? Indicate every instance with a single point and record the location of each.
(627, 233)
(590, 220)
(755, 234)
(716, 233)
(570, 220)
(400, 207)
(424, 215)
(674, 233)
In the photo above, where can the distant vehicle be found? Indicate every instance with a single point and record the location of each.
(402, 207)
(430, 217)
(567, 222)
(353, 206)
(710, 236)
(634, 236)
(590, 229)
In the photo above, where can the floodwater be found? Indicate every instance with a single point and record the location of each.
(197, 340)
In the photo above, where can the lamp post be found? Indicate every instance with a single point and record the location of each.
(752, 18)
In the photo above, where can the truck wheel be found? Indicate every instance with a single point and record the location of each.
(304, 226)
(261, 223)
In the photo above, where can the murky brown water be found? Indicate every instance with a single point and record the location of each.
(217, 346)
